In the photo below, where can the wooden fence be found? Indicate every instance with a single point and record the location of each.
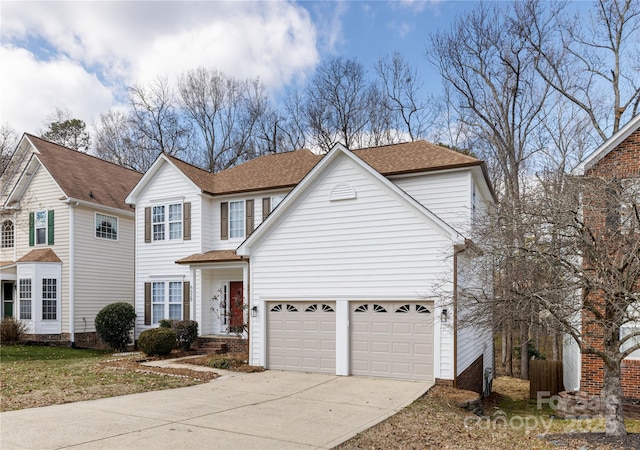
(545, 375)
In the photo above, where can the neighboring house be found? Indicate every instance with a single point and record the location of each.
(353, 273)
(67, 240)
(618, 157)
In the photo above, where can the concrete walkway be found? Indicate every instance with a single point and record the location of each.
(268, 410)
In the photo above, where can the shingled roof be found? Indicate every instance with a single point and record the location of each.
(288, 169)
(85, 177)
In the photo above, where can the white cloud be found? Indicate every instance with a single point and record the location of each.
(85, 53)
(32, 90)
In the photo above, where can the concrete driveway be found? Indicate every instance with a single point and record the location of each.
(272, 409)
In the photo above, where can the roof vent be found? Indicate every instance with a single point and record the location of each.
(342, 192)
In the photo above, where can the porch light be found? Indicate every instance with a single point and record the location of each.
(254, 311)
(444, 315)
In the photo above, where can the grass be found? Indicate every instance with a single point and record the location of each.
(33, 376)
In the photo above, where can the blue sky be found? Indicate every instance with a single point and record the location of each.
(82, 55)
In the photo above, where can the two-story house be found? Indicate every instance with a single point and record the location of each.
(618, 158)
(67, 240)
(355, 272)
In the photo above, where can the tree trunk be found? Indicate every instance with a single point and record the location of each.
(524, 352)
(504, 346)
(509, 353)
(555, 350)
(612, 398)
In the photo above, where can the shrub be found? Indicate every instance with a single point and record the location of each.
(186, 333)
(114, 323)
(157, 341)
(11, 330)
(166, 323)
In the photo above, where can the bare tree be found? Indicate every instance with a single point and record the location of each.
(8, 141)
(117, 140)
(593, 63)
(336, 104)
(412, 110)
(155, 116)
(225, 110)
(497, 95)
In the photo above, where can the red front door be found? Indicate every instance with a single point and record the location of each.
(236, 322)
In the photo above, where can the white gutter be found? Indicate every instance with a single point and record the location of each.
(111, 209)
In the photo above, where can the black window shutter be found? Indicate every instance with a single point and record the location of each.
(224, 220)
(186, 294)
(266, 207)
(147, 303)
(249, 215)
(32, 233)
(186, 211)
(50, 227)
(147, 225)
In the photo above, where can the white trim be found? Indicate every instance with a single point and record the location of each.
(610, 144)
(319, 297)
(139, 188)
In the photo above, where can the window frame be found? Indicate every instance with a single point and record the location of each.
(24, 300)
(237, 232)
(164, 226)
(98, 227)
(276, 200)
(172, 292)
(49, 297)
(8, 234)
(632, 326)
(36, 227)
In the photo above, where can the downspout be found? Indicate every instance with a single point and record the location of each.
(72, 331)
(457, 249)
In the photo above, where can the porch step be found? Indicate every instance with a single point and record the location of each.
(211, 346)
(222, 344)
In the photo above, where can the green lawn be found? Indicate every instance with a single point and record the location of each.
(33, 376)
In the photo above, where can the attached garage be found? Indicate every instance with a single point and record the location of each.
(301, 336)
(392, 340)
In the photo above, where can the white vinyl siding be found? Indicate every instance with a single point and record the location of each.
(447, 195)
(92, 288)
(157, 262)
(376, 246)
(43, 194)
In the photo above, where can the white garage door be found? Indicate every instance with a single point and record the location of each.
(302, 336)
(392, 340)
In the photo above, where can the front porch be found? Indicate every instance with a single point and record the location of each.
(219, 302)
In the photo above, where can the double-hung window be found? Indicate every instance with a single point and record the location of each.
(158, 223)
(166, 300)
(167, 222)
(49, 299)
(106, 227)
(175, 221)
(24, 295)
(41, 227)
(236, 219)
